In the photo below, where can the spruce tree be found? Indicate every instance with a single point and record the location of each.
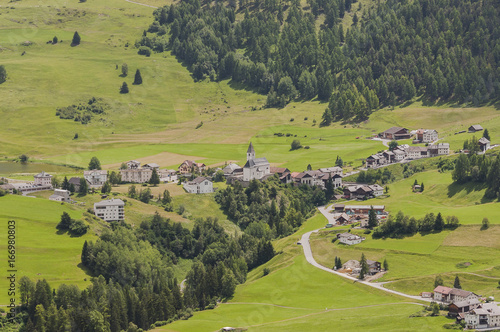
(76, 39)
(124, 69)
(456, 284)
(65, 184)
(83, 187)
(372, 219)
(364, 267)
(124, 88)
(486, 134)
(138, 77)
(3, 74)
(155, 178)
(386, 265)
(439, 222)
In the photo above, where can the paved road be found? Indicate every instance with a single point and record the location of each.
(328, 216)
(310, 259)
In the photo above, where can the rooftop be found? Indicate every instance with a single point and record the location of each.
(110, 202)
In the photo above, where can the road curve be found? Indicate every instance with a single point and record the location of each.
(310, 259)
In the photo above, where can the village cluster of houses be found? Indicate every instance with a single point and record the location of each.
(406, 152)
(467, 306)
(349, 214)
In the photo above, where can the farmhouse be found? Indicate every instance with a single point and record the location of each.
(60, 195)
(110, 210)
(460, 307)
(190, 166)
(342, 218)
(396, 133)
(484, 144)
(475, 128)
(448, 295)
(255, 168)
(96, 178)
(43, 179)
(427, 135)
(349, 239)
(486, 315)
(200, 185)
(363, 191)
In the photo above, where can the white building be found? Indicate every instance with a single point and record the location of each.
(487, 315)
(169, 175)
(137, 174)
(110, 210)
(60, 195)
(200, 185)
(417, 152)
(96, 177)
(332, 170)
(350, 239)
(427, 135)
(255, 168)
(43, 179)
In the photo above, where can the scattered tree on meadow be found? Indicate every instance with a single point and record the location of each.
(439, 223)
(386, 265)
(456, 283)
(124, 69)
(3, 74)
(485, 224)
(438, 281)
(296, 145)
(145, 195)
(138, 77)
(339, 162)
(124, 88)
(94, 164)
(23, 158)
(132, 192)
(106, 188)
(65, 184)
(364, 267)
(435, 309)
(486, 134)
(55, 40)
(76, 39)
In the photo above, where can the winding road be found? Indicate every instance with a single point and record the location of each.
(310, 259)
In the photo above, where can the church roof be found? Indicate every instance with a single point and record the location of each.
(256, 162)
(250, 148)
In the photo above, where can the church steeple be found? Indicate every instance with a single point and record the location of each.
(250, 152)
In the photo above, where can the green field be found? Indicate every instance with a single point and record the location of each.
(42, 252)
(295, 296)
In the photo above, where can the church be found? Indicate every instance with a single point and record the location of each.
(255, 168)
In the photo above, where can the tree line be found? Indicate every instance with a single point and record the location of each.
(444, 50)
(403, 225)
(480, 169)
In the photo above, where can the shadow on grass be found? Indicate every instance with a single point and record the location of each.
(456, 188)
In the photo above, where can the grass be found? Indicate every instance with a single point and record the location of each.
(295, 296)
(42, 252)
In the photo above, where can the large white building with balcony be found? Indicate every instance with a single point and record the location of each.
(110, 210)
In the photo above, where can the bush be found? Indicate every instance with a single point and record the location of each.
(23, 158)
(266, 271)
(181, 209)
(144, 50)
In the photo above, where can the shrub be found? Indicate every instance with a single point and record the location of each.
(295, 145)
(144, 50)
(266, 271)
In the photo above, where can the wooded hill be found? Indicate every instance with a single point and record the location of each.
(441, 49)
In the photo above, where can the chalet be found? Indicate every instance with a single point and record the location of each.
(255, 168)
(342, 218)
(389, 156)
(396, 133)
(190, 166)
(475, 128)
(461, 307)
(427, 135)
(110, 210)
(486, 315)
(484, 144)
(60, 195)
(399, 155)
(373, 161)
(43, 179)
(96, 178)
(363, 191)
(200, 185)
(349, 239)
(417, 152)
(374, 267)
(311, 178)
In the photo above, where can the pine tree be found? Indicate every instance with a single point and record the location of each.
(155, 178)
(3, 74)
(65, 184)
(124, 70)
(386, 265)
(486, 134)
(167, 199)
(456, 284)
(422, 187)
(72, 188)
(364, 267)
(124, 88)
(65, 222)
(138, 77)
(76, 39)
(439, 223)
(372, 219)
(83, 187)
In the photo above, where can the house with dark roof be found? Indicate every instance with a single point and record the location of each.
(486, 315)
(395, 133)
(460, 307)
(255, 168)
(191, 166)
(200, 185)
(283, 173)
(475, 128)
